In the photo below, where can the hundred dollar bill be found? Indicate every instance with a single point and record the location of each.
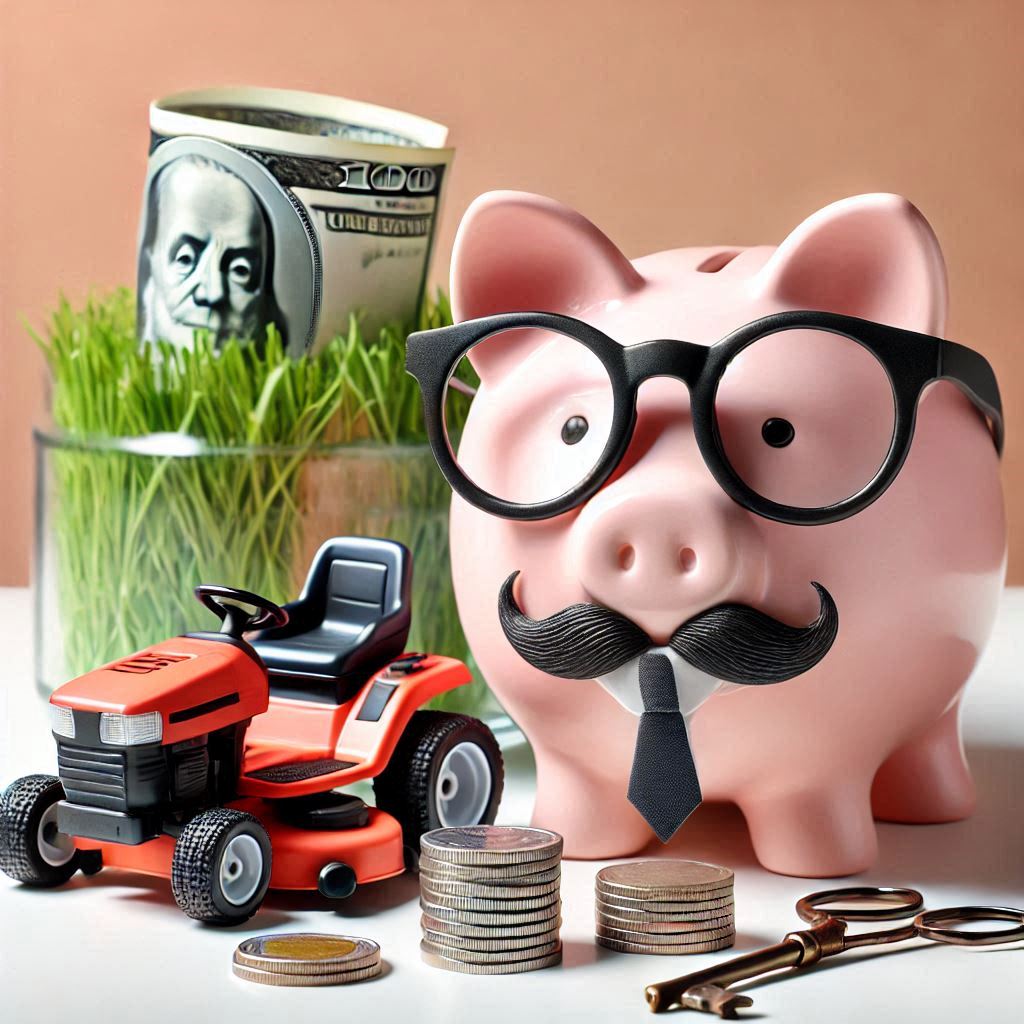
(267, 205)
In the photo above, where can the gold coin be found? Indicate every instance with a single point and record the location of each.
(501, 900)
(306, 953)
(490, 875)
(663, 879)
(664, 938)
(261, 977)
(486, 945)
(693, 912)
(490, 956)
(666, 949)
(491, 844)
(448, 963)
(470, 930)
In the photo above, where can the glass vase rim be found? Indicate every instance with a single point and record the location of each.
(175, 444)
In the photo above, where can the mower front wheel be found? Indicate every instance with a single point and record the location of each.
(221, 867)
(446, 771)
(32, 850)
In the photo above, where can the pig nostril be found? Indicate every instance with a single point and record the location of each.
(687, 559)
(627, 556)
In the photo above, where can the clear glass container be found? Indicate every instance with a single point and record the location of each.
(126, 527)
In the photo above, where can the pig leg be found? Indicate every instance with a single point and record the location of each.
(590, 811)
(820, 831)
(927, 780)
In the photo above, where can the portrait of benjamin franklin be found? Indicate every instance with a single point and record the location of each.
(206, 259)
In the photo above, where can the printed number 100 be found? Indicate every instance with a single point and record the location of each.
(387, 177)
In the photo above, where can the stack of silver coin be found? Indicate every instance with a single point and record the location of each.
(490, 899)
(665, 906)
(300, 960)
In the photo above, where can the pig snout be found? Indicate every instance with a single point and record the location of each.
(659, 552)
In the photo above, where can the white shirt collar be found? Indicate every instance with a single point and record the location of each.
(692, 686)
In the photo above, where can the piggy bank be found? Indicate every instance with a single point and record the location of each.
(871, 730)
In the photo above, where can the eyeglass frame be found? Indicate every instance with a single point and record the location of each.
(911, 361)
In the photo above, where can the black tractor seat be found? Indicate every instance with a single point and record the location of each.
(351, 620)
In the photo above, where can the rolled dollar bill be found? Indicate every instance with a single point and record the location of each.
(272, 206)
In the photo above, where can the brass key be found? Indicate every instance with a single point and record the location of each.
(708, 990)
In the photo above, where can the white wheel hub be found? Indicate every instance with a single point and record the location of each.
(54, 847)
(241, 869)
(464, 786)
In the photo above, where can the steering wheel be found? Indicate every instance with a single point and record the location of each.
(224, 603)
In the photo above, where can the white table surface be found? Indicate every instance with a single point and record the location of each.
(116, 948)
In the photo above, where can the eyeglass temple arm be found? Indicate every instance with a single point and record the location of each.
(973, 374)
(418, 341)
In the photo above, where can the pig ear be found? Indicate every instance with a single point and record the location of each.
(872, 256)
(517, 252)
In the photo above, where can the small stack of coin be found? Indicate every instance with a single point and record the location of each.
(490, 899)
(302, 959)
(665, 906)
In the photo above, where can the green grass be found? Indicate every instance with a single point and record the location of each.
(282, 453)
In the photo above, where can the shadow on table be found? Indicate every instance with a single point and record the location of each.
(830, 964)
(136, 887)
(278, 908)
(367, 900)
(985, 851)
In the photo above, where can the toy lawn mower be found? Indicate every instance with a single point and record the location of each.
(215, 760)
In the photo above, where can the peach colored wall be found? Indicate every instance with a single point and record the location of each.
(669, 122)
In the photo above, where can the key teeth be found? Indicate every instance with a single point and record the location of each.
(715, 999)
(732, 1004)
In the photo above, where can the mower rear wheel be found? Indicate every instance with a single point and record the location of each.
(221, 867)
(446, 771)
(32, 851)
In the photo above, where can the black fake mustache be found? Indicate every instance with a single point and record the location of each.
(733, 642)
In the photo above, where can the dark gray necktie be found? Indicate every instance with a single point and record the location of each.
(663, 784)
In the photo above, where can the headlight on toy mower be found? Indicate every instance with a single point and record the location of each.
(62, 721)
(131, 730)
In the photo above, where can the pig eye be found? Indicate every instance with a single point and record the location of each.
(574, 428)
(777, 432)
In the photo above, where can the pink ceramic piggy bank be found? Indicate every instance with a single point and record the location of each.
(871, 731)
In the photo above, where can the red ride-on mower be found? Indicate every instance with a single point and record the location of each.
(215, 761)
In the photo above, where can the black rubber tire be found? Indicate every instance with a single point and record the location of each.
(406, 788)
(195, 868)
(91, 862)
(22, 807)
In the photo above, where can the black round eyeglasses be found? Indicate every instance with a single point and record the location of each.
(782, 450)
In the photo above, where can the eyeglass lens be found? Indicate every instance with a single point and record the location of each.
(541, 414)
(805, 417)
